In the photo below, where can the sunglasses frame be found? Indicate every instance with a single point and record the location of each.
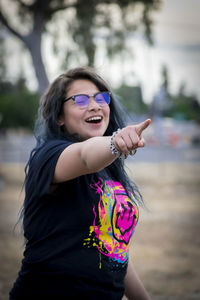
(88, 96)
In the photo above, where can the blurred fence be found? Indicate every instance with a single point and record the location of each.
(167, 140)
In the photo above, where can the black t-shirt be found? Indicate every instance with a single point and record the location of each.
(78, 233)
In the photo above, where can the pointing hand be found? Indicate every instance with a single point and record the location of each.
(130, 137)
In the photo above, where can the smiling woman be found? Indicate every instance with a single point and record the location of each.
(85, 115)
(80, 208)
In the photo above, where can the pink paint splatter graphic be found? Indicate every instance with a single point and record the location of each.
(114, 221)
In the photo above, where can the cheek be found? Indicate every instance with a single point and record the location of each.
(72, 115)
(73, 119)
(108, 114)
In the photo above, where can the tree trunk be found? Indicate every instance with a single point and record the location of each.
(33, 42)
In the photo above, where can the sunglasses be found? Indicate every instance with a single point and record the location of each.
(82, 100)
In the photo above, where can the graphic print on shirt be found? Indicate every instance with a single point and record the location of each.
(114, 221)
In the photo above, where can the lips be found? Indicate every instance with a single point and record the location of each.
(94, 119)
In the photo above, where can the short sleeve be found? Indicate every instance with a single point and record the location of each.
(42, 167)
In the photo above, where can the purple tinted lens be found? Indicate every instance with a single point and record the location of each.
(102, 98)
(82, 100)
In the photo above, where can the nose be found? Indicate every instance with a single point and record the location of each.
(93, 105)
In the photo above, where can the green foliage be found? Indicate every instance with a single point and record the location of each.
(18, 106)
(2, 58)
(89, 26)
(185, 107)
(131, 99)
(95, 19)
(165, 77)
(180, 106)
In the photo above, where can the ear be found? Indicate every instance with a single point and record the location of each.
(60, 121)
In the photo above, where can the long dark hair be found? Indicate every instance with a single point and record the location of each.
(51, 107)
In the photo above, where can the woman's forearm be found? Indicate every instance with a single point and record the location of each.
(83, 158)
(134, 289)
(96, 153)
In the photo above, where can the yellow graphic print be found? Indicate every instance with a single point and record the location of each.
(114, 222)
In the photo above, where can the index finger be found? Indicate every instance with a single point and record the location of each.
(142, 126)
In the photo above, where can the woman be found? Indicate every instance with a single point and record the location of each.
(80, 207)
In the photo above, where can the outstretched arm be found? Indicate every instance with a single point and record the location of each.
(94, 154)
(134, 289)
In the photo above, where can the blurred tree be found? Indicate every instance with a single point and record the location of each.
(185, 107)
(87, 20)
(165, 78)
(181, 105)
(2, 61)
(131, 98)
(162, 103)
(18, 106)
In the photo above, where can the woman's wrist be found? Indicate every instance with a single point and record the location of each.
(113, 147)
(115, 150)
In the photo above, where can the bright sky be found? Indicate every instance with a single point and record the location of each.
(177, 45)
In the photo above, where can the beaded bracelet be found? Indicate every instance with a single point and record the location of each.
(115, 151)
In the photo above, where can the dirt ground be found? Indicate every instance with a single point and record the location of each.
(166, 245)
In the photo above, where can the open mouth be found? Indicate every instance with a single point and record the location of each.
(94, 120)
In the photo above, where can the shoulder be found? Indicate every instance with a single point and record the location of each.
(50, 148)
(53, 144)
(42, 163)
(46, 155)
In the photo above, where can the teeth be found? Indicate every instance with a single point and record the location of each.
(94, 119)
